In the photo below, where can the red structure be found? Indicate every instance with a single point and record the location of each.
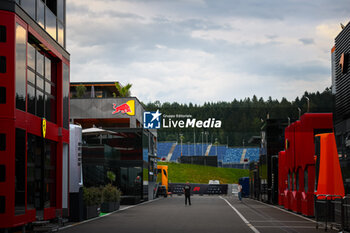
(282, 172)
(34, 116)
(289, 165)
(300, 163)
(328, 172)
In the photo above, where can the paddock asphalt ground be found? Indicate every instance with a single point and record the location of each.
(207, 214)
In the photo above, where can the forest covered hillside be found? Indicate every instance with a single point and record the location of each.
(241, 119)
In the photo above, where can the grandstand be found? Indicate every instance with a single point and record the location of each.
(163, 149)
(221, 151)
(252, 154)
(232, 157)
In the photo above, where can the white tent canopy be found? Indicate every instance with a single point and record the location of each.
(96, 131)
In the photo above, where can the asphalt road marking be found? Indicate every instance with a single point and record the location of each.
(272, 221)
(300, 216)
(294, 227)
(241, 216)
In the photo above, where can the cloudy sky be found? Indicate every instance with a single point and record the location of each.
(205, 50)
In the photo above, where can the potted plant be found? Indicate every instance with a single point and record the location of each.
(110, 198)
(110, 195)
(92, 200)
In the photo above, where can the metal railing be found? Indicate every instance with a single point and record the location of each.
(333, 210)
(325, 209)
(345, 213)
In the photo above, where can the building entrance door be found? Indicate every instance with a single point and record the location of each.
(41, 178)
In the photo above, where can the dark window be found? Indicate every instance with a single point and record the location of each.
(50, 174)
(31, 77)
(39, 63)
(40, 13)
(52, 5)
(31, 98)
(306, 180)
(2, 173)
(21, 44)
(41, 173)
(29, 7)
(289, 188)
(47, 68)
(40, 82)
(20, 158)
(41, 88)
(33, 170)
(60, 35)
(39, 103)
(2, 204)
(2, 141)
(65, 96)
(51, 23)
(297, 180)
(31, 56)
(2, 64)
(47, 107)
(48, 88)
(2, 33)
(50, 108)
(60, 10)
(2, 95)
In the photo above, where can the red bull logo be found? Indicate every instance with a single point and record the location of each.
(196, 189)
(128, 108)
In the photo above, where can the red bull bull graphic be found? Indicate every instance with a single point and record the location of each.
(128, 108)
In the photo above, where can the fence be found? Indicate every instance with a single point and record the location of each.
(333, 211)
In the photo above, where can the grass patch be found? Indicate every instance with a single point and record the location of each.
(181, 173)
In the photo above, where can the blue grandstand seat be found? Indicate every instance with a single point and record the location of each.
(163, 149)
(176, 153)
(233, 155)
(221, 151)
(252, 154)
(226, 155)
(188, 150)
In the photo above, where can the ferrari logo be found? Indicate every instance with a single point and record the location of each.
(43, 127)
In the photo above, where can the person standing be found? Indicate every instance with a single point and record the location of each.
(240, 192)
(187, 192)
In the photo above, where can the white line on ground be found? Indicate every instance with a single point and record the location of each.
(286, 211)
(282, 226)
(241, 216)
(92, 219)
(274, 221)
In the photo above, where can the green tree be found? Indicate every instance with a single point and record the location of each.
(241, 118)
(80, 90)
(111, 176)
(123, 91)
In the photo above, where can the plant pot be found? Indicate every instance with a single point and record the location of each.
(91, 212)
(108, 207)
